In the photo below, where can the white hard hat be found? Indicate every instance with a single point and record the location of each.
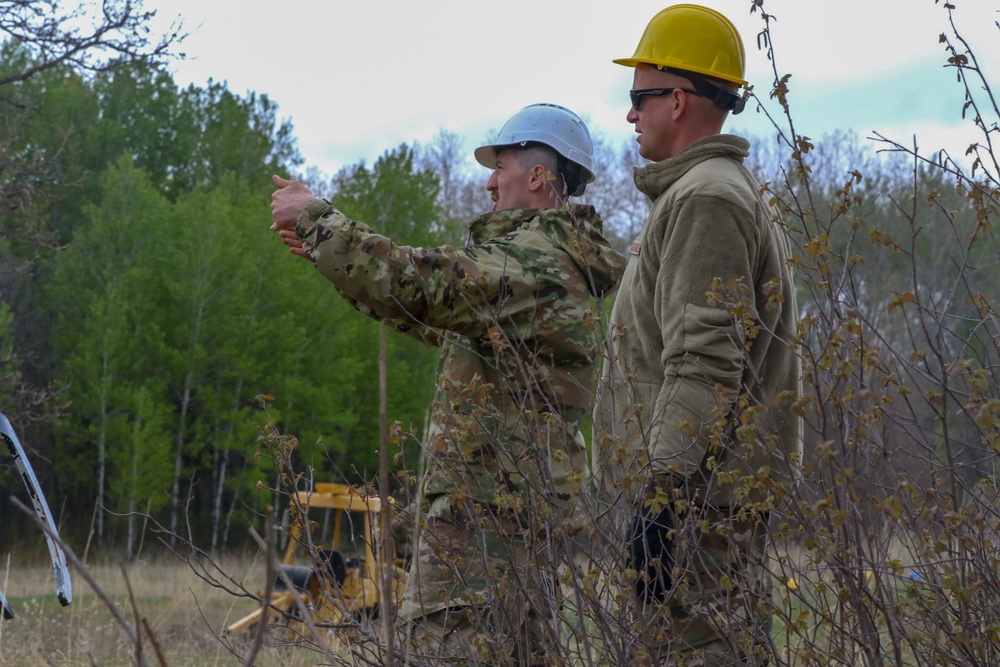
(552, 125)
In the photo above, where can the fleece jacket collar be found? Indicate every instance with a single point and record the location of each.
(654, 179)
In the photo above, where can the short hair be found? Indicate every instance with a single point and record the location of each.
(534, 152)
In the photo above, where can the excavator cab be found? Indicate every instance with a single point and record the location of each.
(338, 582)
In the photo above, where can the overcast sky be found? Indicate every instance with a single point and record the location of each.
(357, 78)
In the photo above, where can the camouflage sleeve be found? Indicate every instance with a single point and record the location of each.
(458, 289)
(421, 333)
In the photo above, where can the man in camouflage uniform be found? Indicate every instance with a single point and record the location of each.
(514, 314)
(696, 433)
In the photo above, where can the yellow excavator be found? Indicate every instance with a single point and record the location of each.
(337, 586)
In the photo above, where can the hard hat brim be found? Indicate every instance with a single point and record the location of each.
(632, 62)
(486, 156)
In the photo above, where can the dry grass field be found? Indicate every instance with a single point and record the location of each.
(819, 617)
(185, 614)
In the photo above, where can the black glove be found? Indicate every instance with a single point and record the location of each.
(650, 538)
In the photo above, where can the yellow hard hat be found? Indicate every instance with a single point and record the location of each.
(694, 39)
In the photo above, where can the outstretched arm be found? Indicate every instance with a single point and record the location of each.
(464, 290)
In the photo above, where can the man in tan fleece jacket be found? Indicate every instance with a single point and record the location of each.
(695, 421)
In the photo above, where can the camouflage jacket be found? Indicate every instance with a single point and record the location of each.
(515, 314)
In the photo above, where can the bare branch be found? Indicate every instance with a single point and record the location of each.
(83, 38)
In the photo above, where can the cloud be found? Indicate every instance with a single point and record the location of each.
(357, 79)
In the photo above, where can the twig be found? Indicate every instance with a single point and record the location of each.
(135, 613)
(258, 638)
(386, 598)
(156, 644)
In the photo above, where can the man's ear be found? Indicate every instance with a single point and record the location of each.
(679, 99)
(538, 178)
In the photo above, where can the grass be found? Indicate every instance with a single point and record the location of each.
(185, 614)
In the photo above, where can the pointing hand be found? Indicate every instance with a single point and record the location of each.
(287, 202)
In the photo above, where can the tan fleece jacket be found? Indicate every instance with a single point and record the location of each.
(684, 368)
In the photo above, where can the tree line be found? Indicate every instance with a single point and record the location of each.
(149, 314)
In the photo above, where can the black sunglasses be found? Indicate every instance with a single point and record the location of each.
(638, 94)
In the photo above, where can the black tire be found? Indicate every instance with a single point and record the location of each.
(299, 575)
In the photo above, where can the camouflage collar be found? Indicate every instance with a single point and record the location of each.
(497, 223)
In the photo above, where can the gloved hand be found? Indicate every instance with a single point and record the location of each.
(652, 548)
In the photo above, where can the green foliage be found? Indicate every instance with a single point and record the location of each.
(141, 462)
(394, 196)
(145, 299)
(172, 316)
